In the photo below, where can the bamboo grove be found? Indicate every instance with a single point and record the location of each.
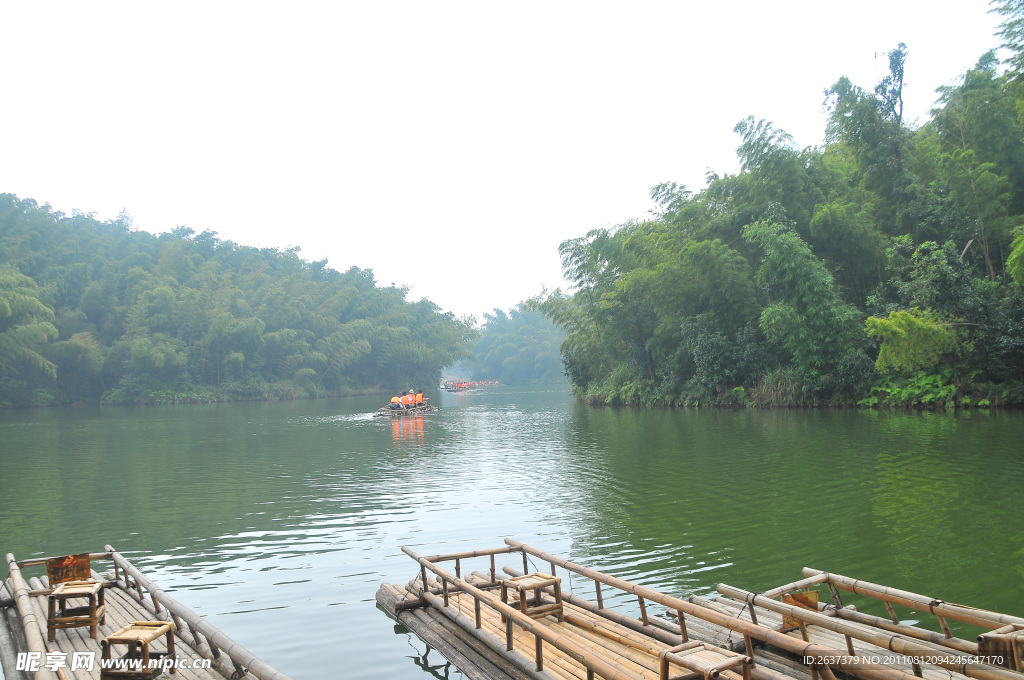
(517, 348)
(883, 268)
(93, 311)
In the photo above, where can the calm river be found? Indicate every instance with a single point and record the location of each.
(278, 521)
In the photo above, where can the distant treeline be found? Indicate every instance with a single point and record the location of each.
(96, 311)
(885, 267)
(517, 348)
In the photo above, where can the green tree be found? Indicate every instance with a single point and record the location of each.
(844, 233)
(1011, 30)
(81, 360)
(26, 325)
(775, 175)
(870, 126)
(1015, 263)
(806, 316)
(911, 341)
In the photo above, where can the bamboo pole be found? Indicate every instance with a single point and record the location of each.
(590, 661)
(615, 637)
(794, 646)
(910, 648)
(8, 651)
(40, 610)
(795, 585)
(557, 668)
(31, 624)
(1006, 642)
(238, 654)
(459, 648)
(658, 634)
(959, 644)
(622, 656)
(977, 617)
(593, 619)
(469, 554)
(37, 561)
(187, 633)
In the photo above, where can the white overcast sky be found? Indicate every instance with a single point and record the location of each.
(448, 146)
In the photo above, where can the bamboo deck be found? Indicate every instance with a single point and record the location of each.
(129, 596)
(463, 619)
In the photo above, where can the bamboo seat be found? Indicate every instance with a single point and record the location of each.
(702, 661)
(71, 579)
(1003, 646)
(536, 582)
(137, 636)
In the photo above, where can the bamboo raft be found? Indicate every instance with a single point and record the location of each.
(387, 412)
(515, 625)
(130, 596)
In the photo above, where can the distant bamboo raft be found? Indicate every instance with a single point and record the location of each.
(130, 596)
(499, 623)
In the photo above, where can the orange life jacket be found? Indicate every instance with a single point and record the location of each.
(419, 397)
(395, 400)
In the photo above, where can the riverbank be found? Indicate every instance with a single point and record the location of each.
(227, 393)
(788, 389)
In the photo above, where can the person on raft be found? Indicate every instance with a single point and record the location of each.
(396, 402)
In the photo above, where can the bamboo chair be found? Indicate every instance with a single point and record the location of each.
(71, 578)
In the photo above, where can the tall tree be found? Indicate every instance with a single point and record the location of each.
(871, 126)
(1011, 30)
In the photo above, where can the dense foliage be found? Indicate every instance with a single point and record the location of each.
(517, 348)
(94, 311)
(885, 267)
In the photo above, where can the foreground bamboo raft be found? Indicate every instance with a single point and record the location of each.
(129, 596)
(523, 623)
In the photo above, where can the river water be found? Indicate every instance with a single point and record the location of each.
(278, 521)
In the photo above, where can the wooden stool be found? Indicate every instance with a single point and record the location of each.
(535, 582)
(702, 660)
(137, 636)
(60, 615)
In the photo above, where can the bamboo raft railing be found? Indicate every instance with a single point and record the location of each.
(595, 641)
(228, 658)
(1005, 636)
(892, 642)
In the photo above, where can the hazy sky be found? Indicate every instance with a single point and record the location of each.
(447, 146)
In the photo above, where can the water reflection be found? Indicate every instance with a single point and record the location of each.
(407, 429)
(438, 667)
